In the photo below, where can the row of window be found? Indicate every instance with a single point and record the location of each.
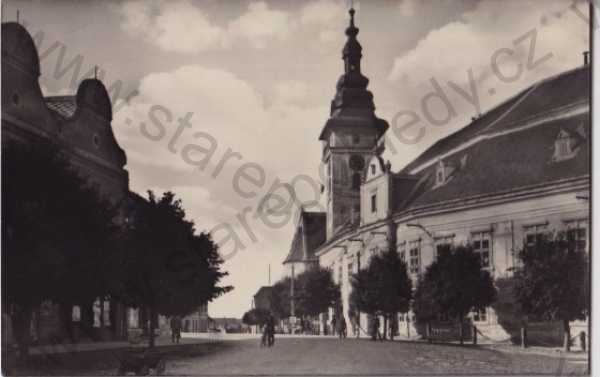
(482, 241)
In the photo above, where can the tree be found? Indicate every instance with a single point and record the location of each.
(424, 305)
(58, 234)
(457, 284)
(383, 288)
(315, 291)
(170, 270)
(281, 299)
(256, 316)
(552, 282)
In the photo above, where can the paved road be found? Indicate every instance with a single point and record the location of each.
(297, 356)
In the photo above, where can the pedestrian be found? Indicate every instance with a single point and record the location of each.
(175, 329)
(375, 334)
(333, 324)
(271, 331)
(265, 335)
(343, 328)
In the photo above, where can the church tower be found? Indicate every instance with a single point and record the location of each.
(350, 137)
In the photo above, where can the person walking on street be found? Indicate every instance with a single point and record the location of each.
(334, 324)
(271, 331)
(342, 329)
(375, 329)
(175, 329)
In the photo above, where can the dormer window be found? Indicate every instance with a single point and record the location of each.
(444, 173)
(440, 174)
(355, 138)
(373, 169)
(564, 146)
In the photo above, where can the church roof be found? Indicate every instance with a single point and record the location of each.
(484, 167)
(547, 95)
(310, 233)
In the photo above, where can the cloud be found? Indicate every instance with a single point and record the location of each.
(290, 91)
(180, 26)
(176, 26)
(184, 27)
(408, 8)
(259, 25)
(231, 114)
(325, 19)
(467, 46)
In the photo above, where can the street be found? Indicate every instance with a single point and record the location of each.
(309, 356)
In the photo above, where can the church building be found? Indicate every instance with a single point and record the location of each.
(465, 188)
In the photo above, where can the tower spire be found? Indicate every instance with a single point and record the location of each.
(352, 52)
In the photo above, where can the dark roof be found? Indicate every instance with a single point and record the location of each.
(403, 189)
(547, 95)
(490, 169)
(18, 46)
(91, 93)
(63, 106)
(310, 234)
(264, 290)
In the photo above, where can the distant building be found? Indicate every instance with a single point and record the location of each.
(520, 169)
(229, 325)
(263, 298)
(81, 125)
(197, 321)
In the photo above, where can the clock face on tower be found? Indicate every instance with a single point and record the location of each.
(357, 163)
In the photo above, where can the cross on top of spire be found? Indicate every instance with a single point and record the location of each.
(352, 30)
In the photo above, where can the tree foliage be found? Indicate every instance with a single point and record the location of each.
(315, 291)
(425, 306)
(552, 282)
(52, 246)
(280, 298)
(383, 287)
(256, 316)
(458, 283)
(454, 284)
(170, 269)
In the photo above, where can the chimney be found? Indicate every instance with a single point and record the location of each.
(586, 57)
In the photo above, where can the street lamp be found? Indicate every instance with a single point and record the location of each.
(417, 225)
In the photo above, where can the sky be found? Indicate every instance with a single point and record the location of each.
(222, 102)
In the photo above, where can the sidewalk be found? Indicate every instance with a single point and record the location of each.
(162, 341)
(557, 352)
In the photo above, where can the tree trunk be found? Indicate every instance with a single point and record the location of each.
(66, 318)
(460, 331)
(567, 340)
(393, 324)
(523, 336)
(385, 326)
(428, 332)
(152, 327)
(22, 329)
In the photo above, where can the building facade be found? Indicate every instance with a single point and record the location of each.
(81, 125)
(197, 321)
(521, 169)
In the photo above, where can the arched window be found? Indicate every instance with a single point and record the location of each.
(356, 181)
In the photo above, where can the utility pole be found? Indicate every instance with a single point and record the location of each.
(269, 274)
